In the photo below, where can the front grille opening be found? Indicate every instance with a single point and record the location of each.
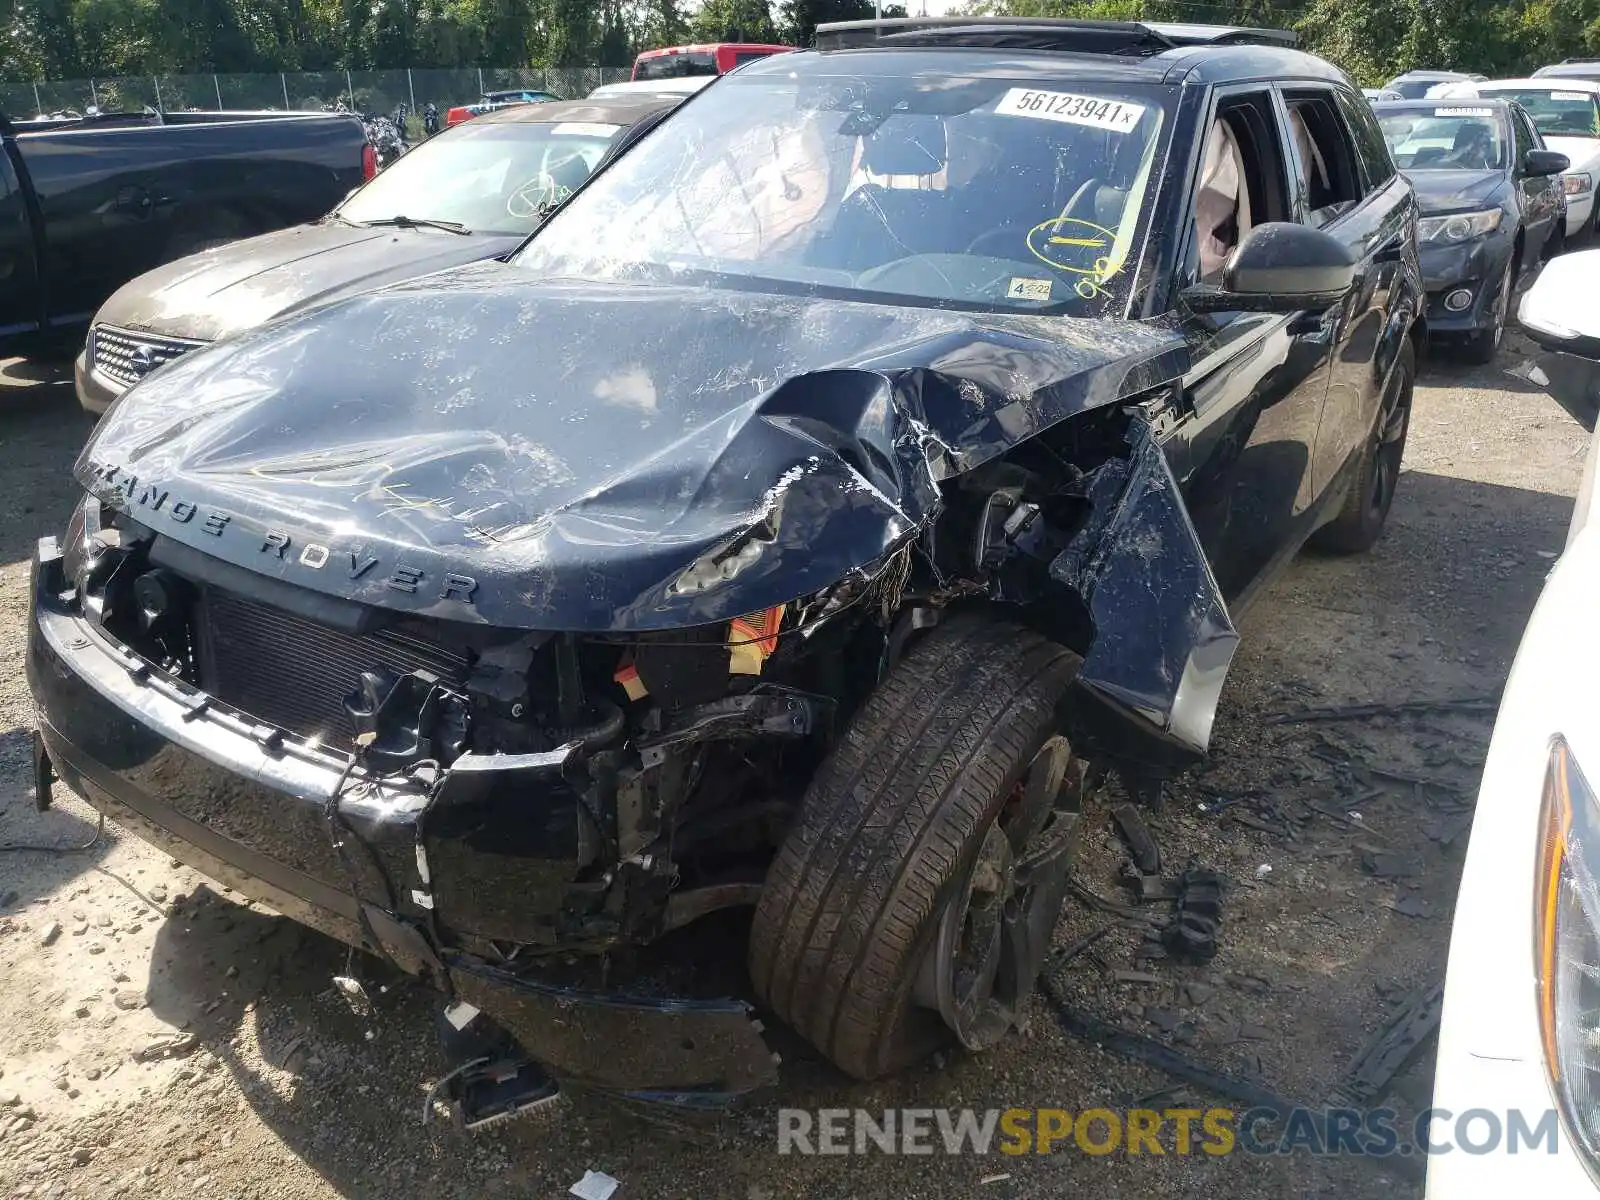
(294, 673)
(115, 353)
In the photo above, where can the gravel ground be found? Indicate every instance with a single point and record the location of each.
(161, 1039)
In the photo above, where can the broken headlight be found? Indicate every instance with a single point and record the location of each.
(75, 544)
(1567, 946)
(91, 553)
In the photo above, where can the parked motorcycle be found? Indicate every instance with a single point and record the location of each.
(388, 141)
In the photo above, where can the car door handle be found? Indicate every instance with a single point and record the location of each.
(133, 199)
(1391, 251)
(1315, 327)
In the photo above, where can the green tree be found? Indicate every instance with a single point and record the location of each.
(658, 23)
(798, 19)
(734, 21)
(572, 33)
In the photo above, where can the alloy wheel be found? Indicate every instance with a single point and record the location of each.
(994, 929)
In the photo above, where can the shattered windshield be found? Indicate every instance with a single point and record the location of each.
(957, 192)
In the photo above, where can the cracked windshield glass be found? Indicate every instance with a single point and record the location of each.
(952, 192)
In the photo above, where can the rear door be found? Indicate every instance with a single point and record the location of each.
(21, 303)
(104, 198)
(1254, 395)
(1346, 186)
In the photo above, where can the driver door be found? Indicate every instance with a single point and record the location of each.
(1539, 197)
(1255, 392)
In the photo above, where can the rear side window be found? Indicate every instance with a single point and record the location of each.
(1325, 161)
(1367, 135)
(675, 66)
(1410, 89)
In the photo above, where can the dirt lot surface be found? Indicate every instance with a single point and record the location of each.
(159, 1039)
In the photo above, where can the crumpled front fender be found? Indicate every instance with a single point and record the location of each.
(1163, 639)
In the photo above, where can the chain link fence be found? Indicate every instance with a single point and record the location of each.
(362, 91)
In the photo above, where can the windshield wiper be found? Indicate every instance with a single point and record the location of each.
(404, 222)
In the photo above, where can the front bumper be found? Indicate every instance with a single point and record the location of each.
(1477, 265)
(95, 392)
(1579, 209)
(1466, 1083)
(259, 812)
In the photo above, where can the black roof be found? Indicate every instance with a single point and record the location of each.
(624, 110)
(1041, 33)
(1173, 52)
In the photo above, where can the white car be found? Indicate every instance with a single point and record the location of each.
(1519, 1029)
(677, 85)
(1567, 113)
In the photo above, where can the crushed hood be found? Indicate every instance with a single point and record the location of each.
(484, 446)
(1454, 191)
(238, 286)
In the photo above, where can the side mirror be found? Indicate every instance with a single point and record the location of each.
(1279, 267)
(1537, 164)
(1557, 311)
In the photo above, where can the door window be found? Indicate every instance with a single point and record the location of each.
(1531, 128)
(1377, 167)
(1523, 136)
(1325, 161)
(1241, 182)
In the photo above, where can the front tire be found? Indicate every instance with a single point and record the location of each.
(914, 897)
(1481, 348)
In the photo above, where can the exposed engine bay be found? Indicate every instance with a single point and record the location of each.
(681, 753)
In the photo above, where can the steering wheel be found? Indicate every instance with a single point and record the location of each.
(537, 194)
(1007, 239)
(1087, 188)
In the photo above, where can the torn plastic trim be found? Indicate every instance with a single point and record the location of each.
(669, 1047)
(1163, 639)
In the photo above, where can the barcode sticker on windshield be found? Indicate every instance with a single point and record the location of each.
(1115, 115)
(1569, 95)
(1463, 112)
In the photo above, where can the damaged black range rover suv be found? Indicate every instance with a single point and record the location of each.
(804, 520)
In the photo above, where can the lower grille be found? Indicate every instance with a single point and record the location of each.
(294, 673)
(127, 355)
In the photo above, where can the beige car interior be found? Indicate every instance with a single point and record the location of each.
(1312, 171)
(1222, 205)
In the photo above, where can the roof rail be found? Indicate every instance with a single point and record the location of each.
(1041, 33)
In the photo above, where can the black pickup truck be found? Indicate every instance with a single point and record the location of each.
(87, 204)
